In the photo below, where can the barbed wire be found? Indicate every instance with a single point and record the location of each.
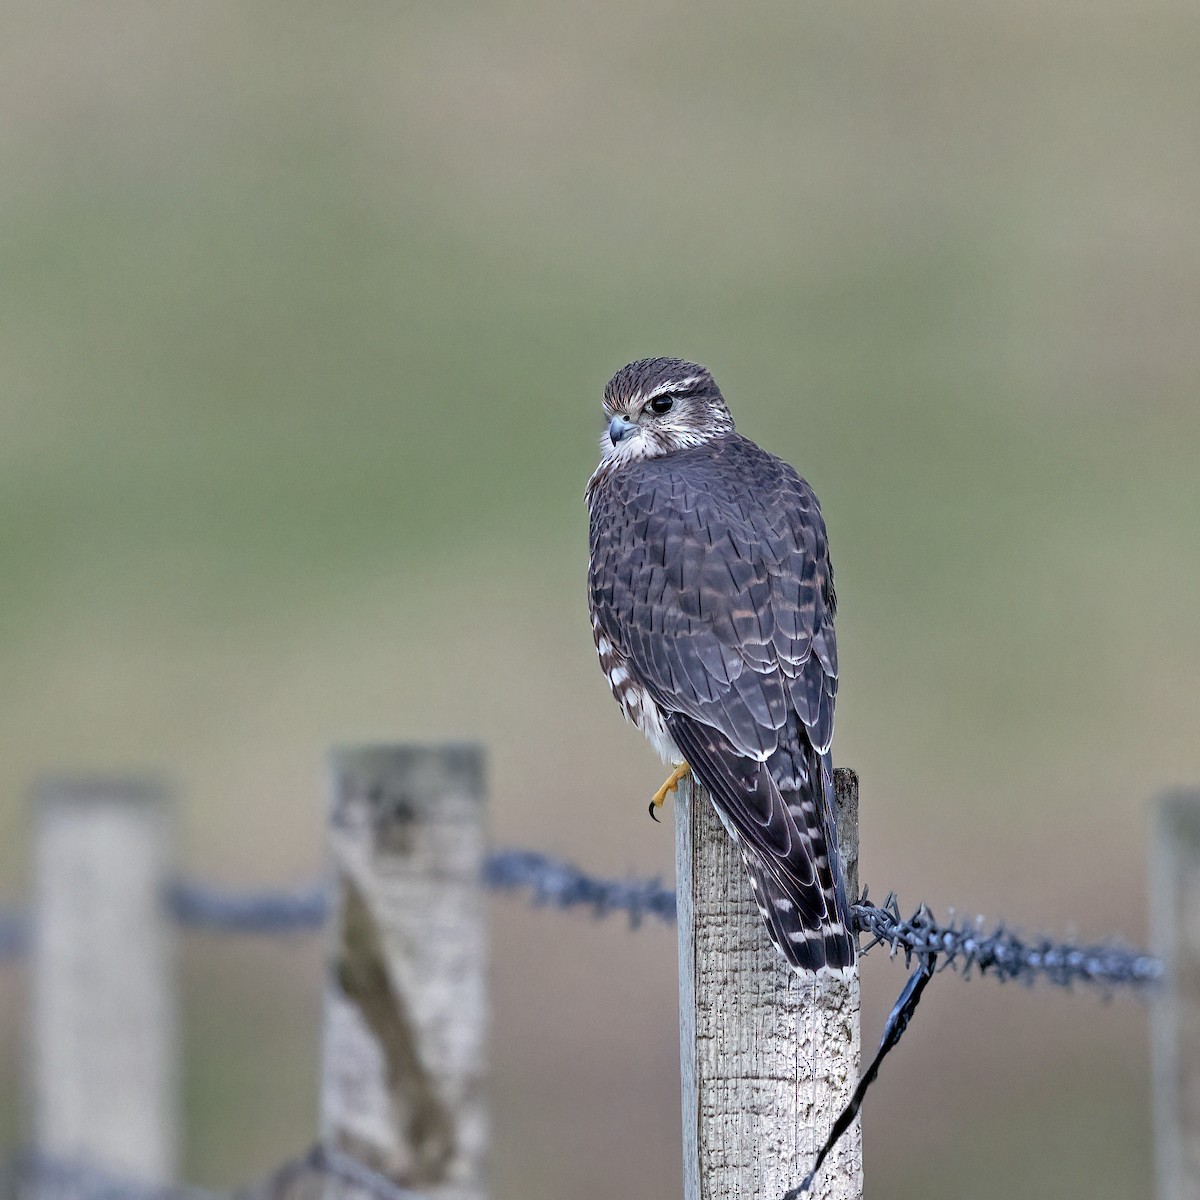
(197, 905)
(31, 1171)
(965, 947)
(14, 934)
(52, 1178)
(560, 884)
(326, 1162)
(959, 944)
(924, 942)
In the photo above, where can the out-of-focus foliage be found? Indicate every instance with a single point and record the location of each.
(304, 316)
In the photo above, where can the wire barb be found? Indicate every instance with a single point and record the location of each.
(926, 944)
(965, 947)
(959, 945)
(564, 885)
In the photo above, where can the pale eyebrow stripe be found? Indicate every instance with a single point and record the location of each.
(668, 389)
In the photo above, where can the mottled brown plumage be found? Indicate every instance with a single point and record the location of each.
(712, 605)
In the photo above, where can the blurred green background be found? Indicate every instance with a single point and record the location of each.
(306, 311)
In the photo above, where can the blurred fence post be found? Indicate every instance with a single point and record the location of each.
(1175, 1012)
(405, 1016)
(769, 1059)
(104, 1075)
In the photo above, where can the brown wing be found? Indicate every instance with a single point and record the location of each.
(710, 570)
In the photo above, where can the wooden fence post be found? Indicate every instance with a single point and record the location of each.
(103, 1059)
(403, 1065)
(1175, 1012)
(769, 1059)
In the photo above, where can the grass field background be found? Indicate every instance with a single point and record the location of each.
(304, 316)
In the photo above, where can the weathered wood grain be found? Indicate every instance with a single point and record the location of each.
(103, 1055)
(769, 1058)
(405, 1016)
(1175, 1011)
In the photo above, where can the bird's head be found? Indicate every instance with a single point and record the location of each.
(660, 405)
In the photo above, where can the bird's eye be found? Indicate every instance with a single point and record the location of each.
(661, 404)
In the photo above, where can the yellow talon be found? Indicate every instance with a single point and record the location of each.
(681, 772)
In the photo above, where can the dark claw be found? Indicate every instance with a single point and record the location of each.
(653, 814)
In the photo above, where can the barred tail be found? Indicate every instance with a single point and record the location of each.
(823, 945)
(780, 813)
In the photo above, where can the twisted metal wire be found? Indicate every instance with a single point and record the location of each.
(962, 945)
(965, 946)
(50, 1178)
(560, 884)
(33, 1172)
(14, 934)
(197, 905)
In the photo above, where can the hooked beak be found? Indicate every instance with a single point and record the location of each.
(619, 429)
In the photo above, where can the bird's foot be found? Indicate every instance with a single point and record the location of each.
(681, 772)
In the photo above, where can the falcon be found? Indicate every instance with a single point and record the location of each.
(712, 605)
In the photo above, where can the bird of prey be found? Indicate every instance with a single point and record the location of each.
(712, 605)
